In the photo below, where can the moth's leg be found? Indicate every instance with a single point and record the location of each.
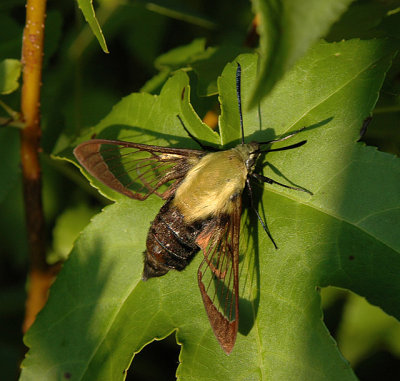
(268, 180)
(263, 224)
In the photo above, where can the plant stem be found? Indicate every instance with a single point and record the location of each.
(40, 274)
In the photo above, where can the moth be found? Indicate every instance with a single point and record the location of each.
(203, 191)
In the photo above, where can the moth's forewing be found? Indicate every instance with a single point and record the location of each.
(136, 170)
(218, 275)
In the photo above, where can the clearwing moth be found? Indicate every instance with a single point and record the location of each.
(203, 192)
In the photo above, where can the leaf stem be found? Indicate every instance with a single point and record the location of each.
(15, 116)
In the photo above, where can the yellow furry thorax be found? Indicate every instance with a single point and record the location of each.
(211, 186)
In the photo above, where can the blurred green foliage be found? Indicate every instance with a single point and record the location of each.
(147, 43)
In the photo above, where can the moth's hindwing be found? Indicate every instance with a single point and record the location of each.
(218, 275)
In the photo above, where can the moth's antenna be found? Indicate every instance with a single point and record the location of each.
(299, 144)
(238, 77)
(284, 138)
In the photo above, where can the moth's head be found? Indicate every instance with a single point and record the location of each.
(250, 153)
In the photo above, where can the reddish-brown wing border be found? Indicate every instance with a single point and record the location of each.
(180, 160)
(220, 245)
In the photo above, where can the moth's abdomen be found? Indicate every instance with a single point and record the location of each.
(170, 242)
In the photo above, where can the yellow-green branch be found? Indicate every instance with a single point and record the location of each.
(40, 274)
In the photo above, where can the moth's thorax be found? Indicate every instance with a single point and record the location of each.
(212, 185)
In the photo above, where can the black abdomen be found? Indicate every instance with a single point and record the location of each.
(170, 242)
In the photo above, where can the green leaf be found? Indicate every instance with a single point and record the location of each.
(287, 30)
(10, 71)
(154, 84)
(87, 9)
(207, 63)
(176, 58)
(67, 228)
(100, 312)
(364, 328)
(366, 19)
